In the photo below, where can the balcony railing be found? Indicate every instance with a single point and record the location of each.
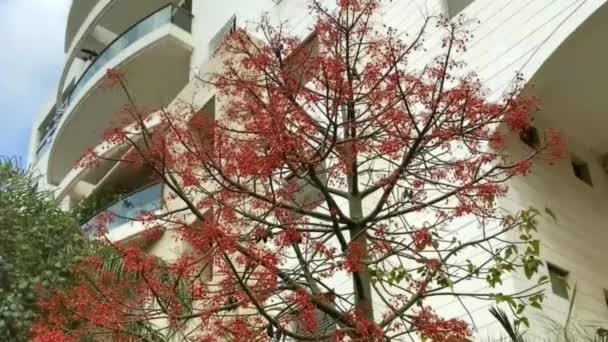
(168, 14)
(126, 210)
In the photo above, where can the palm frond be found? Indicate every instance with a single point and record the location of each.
(506, 324)
(569, 317)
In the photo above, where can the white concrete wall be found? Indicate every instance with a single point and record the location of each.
(575, 239)
(210, 16)
(519, 35)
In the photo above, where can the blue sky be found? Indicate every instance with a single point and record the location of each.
(31, 35)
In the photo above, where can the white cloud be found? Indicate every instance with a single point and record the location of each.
(32, 58)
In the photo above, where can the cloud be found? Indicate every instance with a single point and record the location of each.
(32, 59)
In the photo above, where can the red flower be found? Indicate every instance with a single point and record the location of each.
(354, 262)
(437, 329)
(422, 239)
(113, 78)
(41, 335)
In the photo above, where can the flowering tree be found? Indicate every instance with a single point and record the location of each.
(321, 202)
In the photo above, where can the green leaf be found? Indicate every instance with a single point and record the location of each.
(522, 320)
(535, 246)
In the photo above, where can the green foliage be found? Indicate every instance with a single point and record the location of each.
(510, 329)
(98, 201)
(530, 258)
(524, 252)
(39, 244)
(568, 331)
(527, 252)
(393, 277)
(510, 255)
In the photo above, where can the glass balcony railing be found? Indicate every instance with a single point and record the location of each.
(168, 14)
(125, 210)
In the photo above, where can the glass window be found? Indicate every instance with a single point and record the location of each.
(559, 280)
(581, 170)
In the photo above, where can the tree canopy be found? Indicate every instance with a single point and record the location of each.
(320, 200)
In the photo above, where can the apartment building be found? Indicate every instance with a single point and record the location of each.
(559, 47)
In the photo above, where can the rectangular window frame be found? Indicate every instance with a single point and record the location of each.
(558, 278)
(581, 170)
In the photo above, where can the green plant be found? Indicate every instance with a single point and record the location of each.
(39, 244)
(505, 322)
(571, 330)
(98, 201)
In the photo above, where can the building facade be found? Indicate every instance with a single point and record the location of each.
(559, 47)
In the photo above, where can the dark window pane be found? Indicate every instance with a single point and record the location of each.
(559, 280)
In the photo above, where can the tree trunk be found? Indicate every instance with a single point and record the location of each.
(363, 286)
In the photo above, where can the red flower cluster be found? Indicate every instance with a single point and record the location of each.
(42, 335)
(113, 78)
(305, 311)
(422, 239)
(437, 329)
(354, 255)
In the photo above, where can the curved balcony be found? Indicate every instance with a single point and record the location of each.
(79, 10)
(153, 54)
(119, 220)
(115, 15)
(571, 84)
(169, 14)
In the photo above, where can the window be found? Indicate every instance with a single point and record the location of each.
(47, 129)
(456, 6)
(187, 5)
(559, 280)
(529, 136)
(581, 170)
